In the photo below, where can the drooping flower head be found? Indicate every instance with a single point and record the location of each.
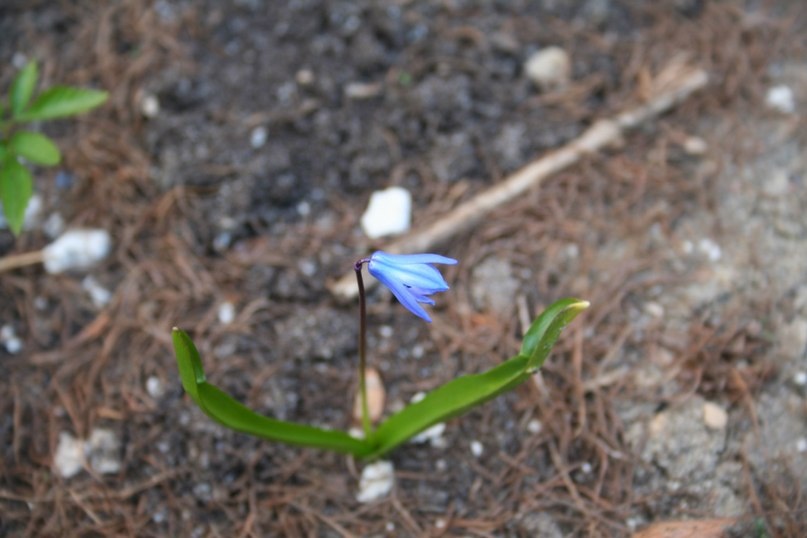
(410, 277)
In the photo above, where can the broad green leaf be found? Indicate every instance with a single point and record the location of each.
(447, 401)
(16, 187)
(456, 396)
(35, 147)
(227, 411)
(545, 330)
(23, 87)
(62, 101)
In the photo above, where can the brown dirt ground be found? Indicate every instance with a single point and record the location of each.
(200, 217)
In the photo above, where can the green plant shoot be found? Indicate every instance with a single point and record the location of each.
(19, 147)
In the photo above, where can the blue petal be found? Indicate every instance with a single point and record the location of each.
(408, 259)
(404, 296)
(416, 275)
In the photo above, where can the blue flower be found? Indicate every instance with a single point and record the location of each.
(410, 277)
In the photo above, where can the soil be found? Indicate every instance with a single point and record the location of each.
(680, 395)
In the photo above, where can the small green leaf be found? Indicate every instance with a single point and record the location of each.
(35, 147)
(23, 87)
(16, 187)
(545, 330)
(62, 101)
(447, 401)
(224, 409)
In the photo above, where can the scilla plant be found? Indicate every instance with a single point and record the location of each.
(20, 146)
(412, 279)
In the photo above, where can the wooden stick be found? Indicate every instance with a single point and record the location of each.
(671, 86)
(14, 261)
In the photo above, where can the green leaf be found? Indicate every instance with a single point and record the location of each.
(23, 87)
(225, 410)
(545, 330)
(62, 101)
(447, 401)
(457, 396)
(35, 147)
(16, 187)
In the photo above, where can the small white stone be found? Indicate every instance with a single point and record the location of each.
(355, 432)
(154, 387)
(440, 523)
(800, 378)
(432, 435)
(781, 99)
(714, 416)
(103, 451)
(534, 426)
(304, 208)
(385, 331)
(586, 468)
(416, 397)
(549, 68)
(694, 145)
(417, 351)
(13, 345)
(801, 445)
(53, 225)
(77, 249)
(99, 295)
(226, 313)
(7, 331)
(376, 481)
(711, 249)
(390, 526)
(258, 136)
(441, 465)
(477, 448)
(150, 106)
(69, 457)
(388, 213)
(304, 77)
(362, 90)
(654, 309)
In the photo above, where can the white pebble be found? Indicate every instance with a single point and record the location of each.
(53, 225)
(549, 68)
(781, 99)
(418, 396)
(800, 378)
(695, 145)
(150, 106)
(69, 457)
(103, 451)
(440, 523)
(13, 345)
(7, 331)
(19, 60)
(390, 526)
(99, 295)
(304, 77)
(77, 249)
(226, 313)
(714, 416)
(432, 435)
(154, 387)
(477, 448)
(711, 249)
(586, 467)
(304, 208)
(388, 213)
(801, 445)
(535, 426)
(376, 481)
(257, 138)
(385, 331)
(654, 309)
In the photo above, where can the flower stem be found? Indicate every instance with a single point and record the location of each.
(365, 409)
